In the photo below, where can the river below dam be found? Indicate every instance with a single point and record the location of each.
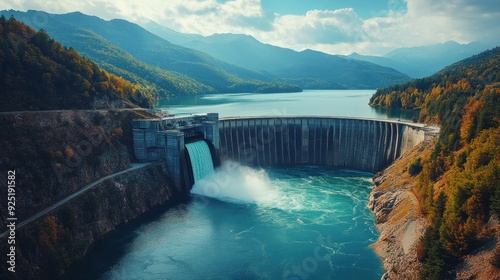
(305, 222)
(300, 222)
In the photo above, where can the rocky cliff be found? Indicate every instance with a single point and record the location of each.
(56, 153)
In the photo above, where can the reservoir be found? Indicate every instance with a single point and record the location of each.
(279, 222)
(340, 103)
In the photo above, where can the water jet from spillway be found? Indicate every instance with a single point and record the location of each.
(237, 183)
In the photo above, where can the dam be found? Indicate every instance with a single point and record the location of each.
(298, 216)
(355, 143)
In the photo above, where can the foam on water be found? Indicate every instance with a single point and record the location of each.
(233, 182)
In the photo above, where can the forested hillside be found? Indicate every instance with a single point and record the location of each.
(459, 184)
(121, 63)
(38, 73)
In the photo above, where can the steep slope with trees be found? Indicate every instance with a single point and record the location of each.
(39, 73)
(54, 154)
(458, 184)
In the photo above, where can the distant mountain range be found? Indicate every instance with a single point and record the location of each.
(416, 62)
(424, 61)
(152, 55)
(309, 69)
(130, 51)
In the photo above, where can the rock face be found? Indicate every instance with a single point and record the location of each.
(48, 246)
(56, 153)
(397, 217)
(382, 203)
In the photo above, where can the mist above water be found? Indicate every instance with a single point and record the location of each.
(234, 182)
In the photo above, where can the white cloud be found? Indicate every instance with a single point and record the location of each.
(405, 23)
(423, 22)
(315, 28)
(231, 16)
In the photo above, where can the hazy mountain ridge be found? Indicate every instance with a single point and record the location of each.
(422, 61)
(416, 62)
(297, 67)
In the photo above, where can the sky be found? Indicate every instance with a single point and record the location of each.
(371, 27)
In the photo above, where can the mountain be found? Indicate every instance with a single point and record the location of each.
(424, 61)
(38, 73)
(122, 63)
(416, 62)
(458, 182)
(127, 49)
(309, 69)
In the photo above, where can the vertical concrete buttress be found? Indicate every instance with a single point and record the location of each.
(362, 144)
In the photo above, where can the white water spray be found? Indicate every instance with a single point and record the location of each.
(236, 183)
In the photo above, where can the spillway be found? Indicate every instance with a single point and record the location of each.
(200, 159)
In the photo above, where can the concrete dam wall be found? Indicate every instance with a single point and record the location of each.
(362, 144)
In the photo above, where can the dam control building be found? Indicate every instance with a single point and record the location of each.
(165, 138)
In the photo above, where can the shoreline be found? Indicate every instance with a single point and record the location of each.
(397, 217)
